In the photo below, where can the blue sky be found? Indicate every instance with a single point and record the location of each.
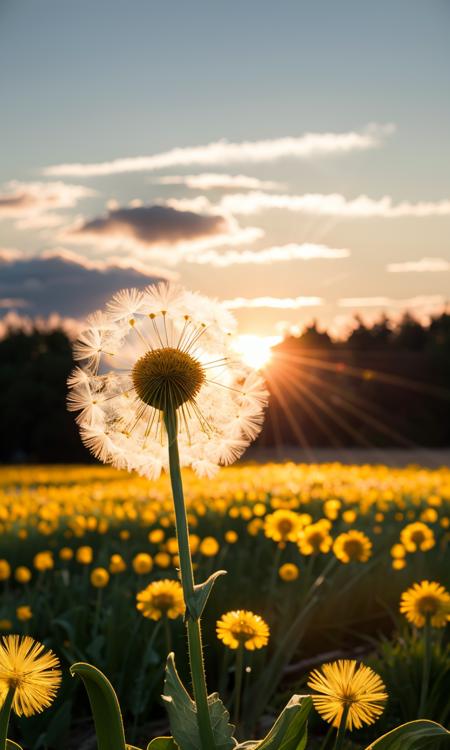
(87, 83)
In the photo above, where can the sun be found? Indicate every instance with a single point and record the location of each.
(256, 351)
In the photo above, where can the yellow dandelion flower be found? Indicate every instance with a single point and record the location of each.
(283, 526)
(43, 561)
(5, 570)
(315, 538)
(24, 613)
(117, 564)
(288, 572)
(209, 546)
(22, 574)
(344, 685)
(417, 536)
(426, 599)
(243, 628)
(99, 578)
(161, 598)
(352, 546)
(65, 553)
(156, 536)
(163, 559)
(398, 551)
(5, 624)
(32, 670)
(84, 555)
(231, 536)
(349, 516)
(142, 563)
(398, 563)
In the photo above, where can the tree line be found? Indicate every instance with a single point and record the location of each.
(385, 385)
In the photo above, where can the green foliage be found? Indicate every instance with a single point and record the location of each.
(290, 729)
(400, 664)
(202, 592)
(105, 707)
(415, 735)
(162, 743)
(183, 715)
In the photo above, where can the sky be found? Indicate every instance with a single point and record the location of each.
(290, 158)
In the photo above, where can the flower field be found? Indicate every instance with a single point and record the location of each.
(320, 554)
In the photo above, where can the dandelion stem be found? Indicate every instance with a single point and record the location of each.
(187, 582)
(238, 682)
(4, 717)
(341, 729)
(426, 666)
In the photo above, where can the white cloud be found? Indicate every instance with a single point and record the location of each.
(32, 204)
(278, 303)
(224, 152)
(424, 265)
(433, 300)
(268, 255)
(333, 204)
(214, 181)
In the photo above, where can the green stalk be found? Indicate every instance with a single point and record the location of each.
(187, 582)
(4, 717)
(342, 728)
(238, 682)
(426, 666)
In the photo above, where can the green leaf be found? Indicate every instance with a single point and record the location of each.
(183, 714)
(201, 594)
(162, 743)
(415, 735)
(290, 729)
(104, 705)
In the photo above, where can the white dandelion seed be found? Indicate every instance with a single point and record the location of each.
(158, 350)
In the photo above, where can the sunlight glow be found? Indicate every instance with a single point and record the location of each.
(256, 351)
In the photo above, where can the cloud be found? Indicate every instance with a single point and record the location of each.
(434, 300)
(225, 152)
(32, 204)
(150, 225)
(279, 303)
(67, 284)
(425, 265)
(214, 181)
(269, 255)
(333, 204)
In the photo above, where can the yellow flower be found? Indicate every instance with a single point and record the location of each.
(255, 526)
(398, 551)
(231, 537)
(5, 570)
(117, 564)
(426, 599)
(315, 538)
(243, 628)
(398, 563)
(99, 578)
(417, 536)
(24, 613)
(32, 670)
(288, 572)
(161, 598)
(283, 526)
(156, 536)
(331, 508)
(22, 574)
(142, 563)
(209, 546)
(342, 684)
(66, 553)
(162, 559)
(43, 561)
(352, 546)
(124, 534)
(5, 624)
(84, 555)
(172, 545)
(349, 516)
